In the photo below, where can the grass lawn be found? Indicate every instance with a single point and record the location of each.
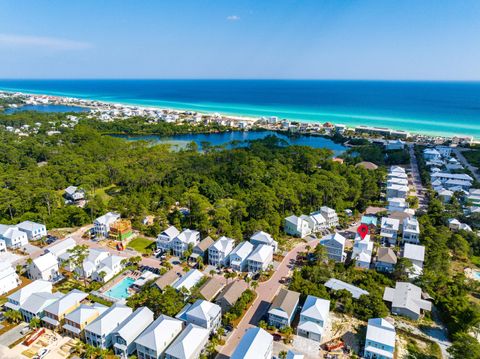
(142, 245)
(106, 193)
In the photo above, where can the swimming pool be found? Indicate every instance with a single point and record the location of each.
(120, 290)
(476, 275)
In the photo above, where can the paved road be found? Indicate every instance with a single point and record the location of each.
(12, 335)
(465, 163)
(266, 291)
(417, 180)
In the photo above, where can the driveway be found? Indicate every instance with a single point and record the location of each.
(12, 335)
(417, 180)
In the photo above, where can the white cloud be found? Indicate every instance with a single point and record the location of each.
(46, 42)
(233, 18)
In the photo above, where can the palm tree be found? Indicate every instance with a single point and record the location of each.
(248, 280)
(77, 256)
(13, 316)
(34, 323)
(102, 275)
(254, 284)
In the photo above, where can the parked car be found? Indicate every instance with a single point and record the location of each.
(42, 353)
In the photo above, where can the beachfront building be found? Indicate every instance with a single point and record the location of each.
(189, 280)
(33, 230)
(416, 255)
(336, 284)
(297, 227)
(8, 278)
(56, 312)
(44, 267)
(260, 258)
(313, 318)
(189, 344)
(123, 338)
(77, 320)
(335, 246)
(283, 308)
(218, 253)
(18, 298)
(151, 344)
(411, 231)
(165, 239)
(203, 313)
(406, 299)
(184, 240)
(386, 260)
(389, 230)
(99, 333)
(380, 339)
(239, 255)
(256, 343)
(13, 236)
(101, 226)
(262, 237)
(362, 251)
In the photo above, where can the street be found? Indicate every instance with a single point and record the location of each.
(417, 180)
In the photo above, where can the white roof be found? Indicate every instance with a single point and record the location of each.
(10, 232)
(109, 320)
(336, 284)
(188, 342)
(84, 312)
(69, 300)
(188, 236)
(108, 218)
(261, 253)
(390, 223)
(254, 344)
(406, 295)
(224, 244)
(160, 333)
(414, 252)
(36, 302)
(262, 237)
(316, 308)
(242, 250)
(62, 247)
(45, 262)
(24, 293)
(204, 310)
(189, 280)
(336, 237)
(135, 324)
(381, 331)
(30, 226)
(171, 232)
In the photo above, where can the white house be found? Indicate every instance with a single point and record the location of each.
(164, 239)
(296, 226)
(44, 267)
(397, 190)
(33, 230)
(189, 344)
(335, 246)
(330, 216)
(262, 237)
(101, 226)
(316, 221)
(111, 266)
(218, 252)
(184, 240)
(123, 338)
(203, 313)
(13, 236)
(239, 255)
(411, 231)
(8, 278)
(430, 154)
(416, 255)
(35, 304)
(389, 229)
(362, 251)
(260, 258)
(256, 343)
(397, 205)
(92, 262)
(15, 300)
(61, 248)
(189, 280)
(445, 194)
(406, 299)
(380, 339)
(313, 318)
(154, 340)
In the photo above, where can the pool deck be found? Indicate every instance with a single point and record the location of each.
(109, 285)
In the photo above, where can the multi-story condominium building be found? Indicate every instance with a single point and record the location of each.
(239, 255)
(33, 230)
(164, 239)
(99, 333)
(380, 339)
(202, 313)
(335, 246)
(101, 226)
(152, 343)
(189, 344)
(262, 237)
(15, 300)
(13, 236)
(260, 258)
(411, 231)
(76, 321)
(256, 343)
(283, 308)
(330, 216)
(44, 267)
(56, 312)
(8, 278)
(124, 336)
(218, 253)
(313, 318)
(184, 240)
(296, 226)
(389, 229)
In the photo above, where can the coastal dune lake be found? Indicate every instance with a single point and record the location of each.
(435, 108)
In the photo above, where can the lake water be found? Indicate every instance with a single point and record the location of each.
(224, 138)
(47, 108)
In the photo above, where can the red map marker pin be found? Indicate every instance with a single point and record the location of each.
(362, 230)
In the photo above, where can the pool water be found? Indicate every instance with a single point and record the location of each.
(120, 290)
(476, 274)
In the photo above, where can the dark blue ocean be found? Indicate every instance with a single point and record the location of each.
(442, 108)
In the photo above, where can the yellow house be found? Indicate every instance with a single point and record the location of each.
(77, 320)
(56, 312)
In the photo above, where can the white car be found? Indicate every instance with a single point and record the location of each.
(42, 353)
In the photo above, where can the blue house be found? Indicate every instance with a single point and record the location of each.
(380, 339)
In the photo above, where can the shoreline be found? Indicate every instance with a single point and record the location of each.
(68, 100)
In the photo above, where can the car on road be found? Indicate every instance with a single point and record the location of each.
(42, 353)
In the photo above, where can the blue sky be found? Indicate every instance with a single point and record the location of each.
(311, 39)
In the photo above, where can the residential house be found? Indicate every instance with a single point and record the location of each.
(189, 344)
(406, 299)
(380, 339)
(212, 287)
(218, 253)
(202, 248)
(55, 312)
(151, 344)
(35, 304)
(8, 278)
(386, 260)
(262, 237)
(389, 230)
(44, 267)
(123, 338)
(316, 222)
(336, 284)
(256, 343)
(416, 255)
(260, 258)
(330, 216)
(99, 333)
(229, 296)
(451, 180)
(13, 236)
(111, 266)
(397, 191)
(283, 308)
(397, 205)
(455, 225)
(296, 226)
(411, 231)
(61, 248)
(15, 300)
(189, 280)
(77, 320)
(239, 255)
(396, 172)
(167, 279)
(393, 145)
(445, 195)
(101, 226)
(431, 154)
(313, 318)
(362, 251)
(335, 246)
(203, 313)
(73, 194)
(33, 230)
(92, 262)
(445, 151)
(164, 239)
(187, 238)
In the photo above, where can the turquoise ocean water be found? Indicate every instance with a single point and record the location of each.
(436, 108)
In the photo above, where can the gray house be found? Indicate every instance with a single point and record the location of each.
(283, 308)
(406, 299)
(124, 336)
